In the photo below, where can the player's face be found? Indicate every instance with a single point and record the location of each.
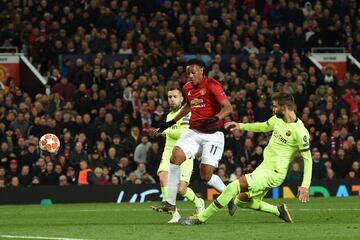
(195, 74)
(175, 99)
(278, 110)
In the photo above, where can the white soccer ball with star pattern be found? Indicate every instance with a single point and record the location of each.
(49, 143)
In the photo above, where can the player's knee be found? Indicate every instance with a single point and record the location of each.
(177, 156)
(243, 200)
(175, 160)
(243, 197)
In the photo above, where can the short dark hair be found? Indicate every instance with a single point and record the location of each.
(195, 61)
(174, 88)
(284, 99)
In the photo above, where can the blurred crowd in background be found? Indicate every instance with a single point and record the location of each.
(102, 112)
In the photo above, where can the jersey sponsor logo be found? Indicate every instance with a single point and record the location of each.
(197, 103)
(288, 133)
(305, 139)
(202, 91)
(277, 135)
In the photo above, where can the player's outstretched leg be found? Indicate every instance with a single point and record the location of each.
(257, 204)
(225, 197)
(216, 182)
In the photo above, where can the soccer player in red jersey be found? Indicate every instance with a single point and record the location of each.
(208, 105)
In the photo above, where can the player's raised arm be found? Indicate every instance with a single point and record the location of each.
(253, 127)
(184, 110)
(176, 132)
(304, 148)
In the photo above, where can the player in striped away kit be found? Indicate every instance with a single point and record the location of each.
(288, 138)
(208, 105)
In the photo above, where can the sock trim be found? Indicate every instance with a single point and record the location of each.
(217, 204)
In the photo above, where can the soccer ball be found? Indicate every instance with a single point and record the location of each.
(49, 143)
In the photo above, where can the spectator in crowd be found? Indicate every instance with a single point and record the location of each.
(71, 175)
(120, 174)
(77, 155)
(153, 159)
(111, 161)
(65, 89)
(25, 178)
(295, 173)
(48, 177)
(342, 164)
(229, 160)
(141, 150)
(237, 174)
(86, 175)
(2, 173)
(114, 180)
(2, 182)
(319, 170)
(13, 169)
(14, 182)
(63, 181)
(140, 171)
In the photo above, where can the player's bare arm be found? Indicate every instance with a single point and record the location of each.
(303, 192)
(226, 109)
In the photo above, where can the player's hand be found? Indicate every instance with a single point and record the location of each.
(154, 132)
(212, 120)
(303, 194)
(231, 126)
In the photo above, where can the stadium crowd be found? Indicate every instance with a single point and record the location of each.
(102, 112)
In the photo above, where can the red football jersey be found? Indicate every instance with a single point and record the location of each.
(204, 102)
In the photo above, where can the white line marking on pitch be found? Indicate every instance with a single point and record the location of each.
(190, 209)
(36, 237)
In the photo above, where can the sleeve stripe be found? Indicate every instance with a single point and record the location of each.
(184, 123)
(305, 150)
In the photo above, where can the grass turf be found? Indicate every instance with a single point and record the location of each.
(321, 218)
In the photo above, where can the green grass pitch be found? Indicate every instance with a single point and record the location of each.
(321, 218)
